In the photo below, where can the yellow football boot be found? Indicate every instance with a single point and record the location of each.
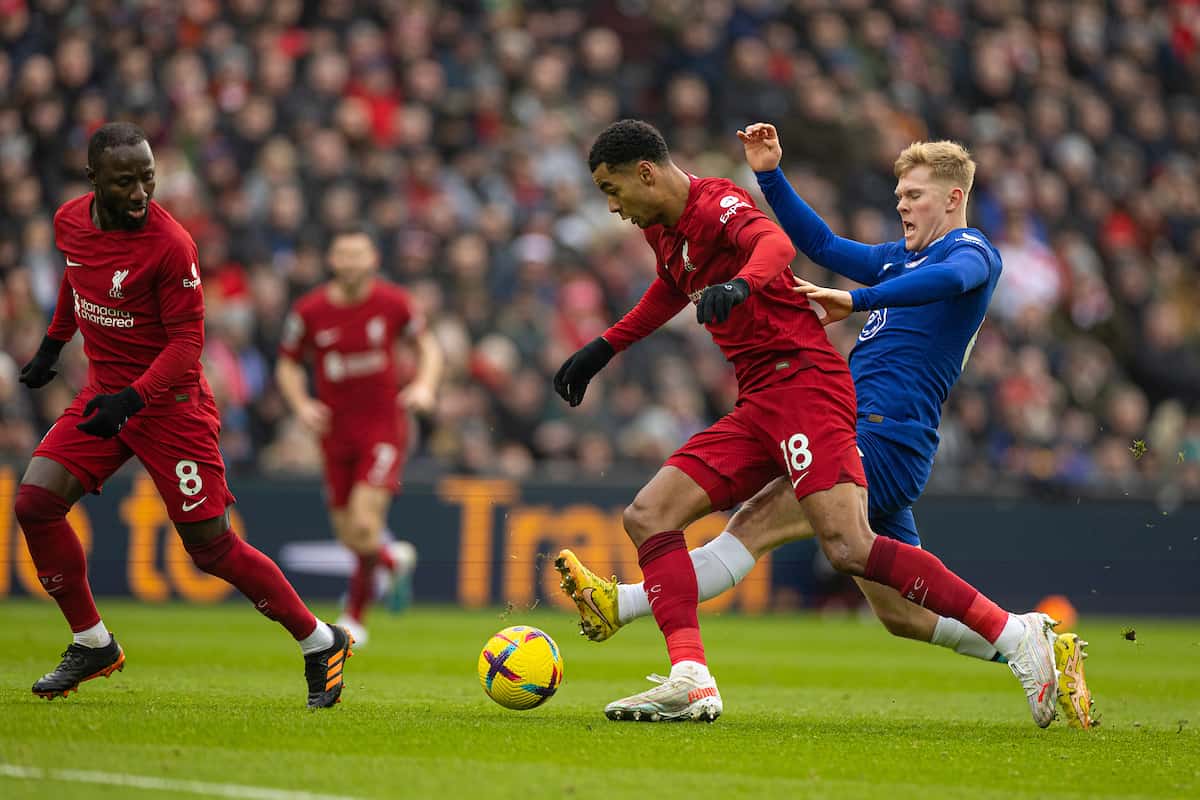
(1074, 697)
(595, 597)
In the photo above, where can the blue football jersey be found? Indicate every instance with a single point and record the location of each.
(926, 308)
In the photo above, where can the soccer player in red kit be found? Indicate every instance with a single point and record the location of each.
(132, 289)
(795, 416)
(348, 329)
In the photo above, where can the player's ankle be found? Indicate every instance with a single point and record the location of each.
(694, 670)
(95, 636)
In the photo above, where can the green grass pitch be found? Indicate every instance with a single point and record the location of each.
(814, 707)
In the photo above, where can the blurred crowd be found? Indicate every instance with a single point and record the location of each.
(460, 132)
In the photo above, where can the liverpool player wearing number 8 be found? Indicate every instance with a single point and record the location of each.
(795, 417)
(132, 289)
(349, 329)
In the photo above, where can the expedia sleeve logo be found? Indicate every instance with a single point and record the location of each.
(731, 204)
(194, 281)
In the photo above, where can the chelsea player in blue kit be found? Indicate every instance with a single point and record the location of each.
(927, 295)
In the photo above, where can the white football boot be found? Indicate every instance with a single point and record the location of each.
(1033, 664)
(354, 628)
(677, 699)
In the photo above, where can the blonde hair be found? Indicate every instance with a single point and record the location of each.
(949, 161)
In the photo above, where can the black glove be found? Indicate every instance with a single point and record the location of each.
(718, 300)
(572, 377)
(40, 370)
(112, 412)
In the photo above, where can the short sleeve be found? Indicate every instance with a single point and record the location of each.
(405, 317)
(180, 298)
(294, 339)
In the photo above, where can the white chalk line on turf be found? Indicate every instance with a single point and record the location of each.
(163, 784)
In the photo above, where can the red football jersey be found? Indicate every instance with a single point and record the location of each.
(120, 290)
(352, 349)
(770, 336)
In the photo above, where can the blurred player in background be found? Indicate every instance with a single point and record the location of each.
(348, 329)
(931, 293)
(795, 416)
(132, 289)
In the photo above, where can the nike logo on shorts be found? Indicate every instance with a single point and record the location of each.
(796, 482)
(189, 506)
(71, 263)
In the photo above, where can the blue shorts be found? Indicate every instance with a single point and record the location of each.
(897, 457)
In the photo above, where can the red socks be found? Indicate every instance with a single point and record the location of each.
(57, 554)
(670, 584)
(362, 586)
(922, 578)
(256, 576)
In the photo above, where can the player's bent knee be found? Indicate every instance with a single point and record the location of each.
(642, 519)
(207, 553)
(844, 555)
(35, 506)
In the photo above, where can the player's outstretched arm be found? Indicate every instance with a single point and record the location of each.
(855, 260)
(659, 304)
(837, 303)
(965, 268)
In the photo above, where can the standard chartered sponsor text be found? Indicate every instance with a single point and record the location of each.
(102, 315)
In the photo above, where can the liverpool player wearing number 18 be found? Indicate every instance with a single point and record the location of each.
(349, 329)
(795, 417)
(132, 289)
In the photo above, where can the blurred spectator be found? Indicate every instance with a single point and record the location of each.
(460, 132)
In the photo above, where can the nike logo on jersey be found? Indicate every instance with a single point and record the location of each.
(916, 263)
(325, 338)
(189, 506)
(586, 594)
(71, 263)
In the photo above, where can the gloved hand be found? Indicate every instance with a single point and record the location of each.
(112, 412)
(40, 369)
(573, 376)
(719, 299)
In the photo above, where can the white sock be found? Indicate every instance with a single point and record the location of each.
(1010, 637)
(720, 565)
(631, 602)
(95, 636)
(958, 637)
(320, 639)
(691, 669)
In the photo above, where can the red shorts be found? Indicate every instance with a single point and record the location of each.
(803, 428)
(380, 464)
(180, 451)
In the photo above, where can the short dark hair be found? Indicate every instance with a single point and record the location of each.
(625, 141)
(113, 134)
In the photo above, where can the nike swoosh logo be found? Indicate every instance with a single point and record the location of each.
(796, 482)
(1042, 693)
(190, 506)
(71, 263)
(591, 603)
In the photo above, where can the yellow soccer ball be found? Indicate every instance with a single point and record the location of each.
(520, 667)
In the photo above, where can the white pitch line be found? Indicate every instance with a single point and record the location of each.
(163, 784)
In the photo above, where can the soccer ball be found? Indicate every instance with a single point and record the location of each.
(520, 667)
